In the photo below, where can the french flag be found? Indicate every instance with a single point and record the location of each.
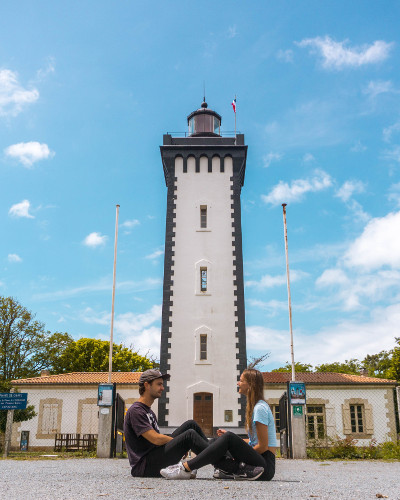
(234, 105)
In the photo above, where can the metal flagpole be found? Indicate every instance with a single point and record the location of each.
(235, 117)
(288, 287)
(113, 299)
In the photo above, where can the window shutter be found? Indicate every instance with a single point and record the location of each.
(346, 419)
(369, 421)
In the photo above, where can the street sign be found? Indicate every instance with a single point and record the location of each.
(297, 410)
(13, 400)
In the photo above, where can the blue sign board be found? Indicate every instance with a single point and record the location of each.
(13, 400)
(297, 393)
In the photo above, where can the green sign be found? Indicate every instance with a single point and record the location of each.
(297, 410)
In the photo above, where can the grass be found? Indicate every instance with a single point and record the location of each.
(58, 455)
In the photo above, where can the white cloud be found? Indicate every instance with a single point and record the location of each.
(138, 330)
(378, 245)
(332, 277)
(378, 87)
(29, 153)
(14, 97)
(13, 257)
(21, 210)
(338, 55)
(285, 55)
(103, 285)
(346, 191)
(394, 194)
(44, 72)
(308, 158)
(340, 341)
(389, 131)
(268, 281)
(157, 253)
(271, 157)
(130, 224)
(232, 32)
(94, 240)
(392, 154)
(283, 193)
(358, 147)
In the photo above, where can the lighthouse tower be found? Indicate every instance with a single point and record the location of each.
(203, 337)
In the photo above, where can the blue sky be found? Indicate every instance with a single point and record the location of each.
(87, 89)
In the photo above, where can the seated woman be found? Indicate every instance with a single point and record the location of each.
(252, 458)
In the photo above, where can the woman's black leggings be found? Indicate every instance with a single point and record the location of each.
(216, 453)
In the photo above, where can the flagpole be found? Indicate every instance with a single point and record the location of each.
(235, 119)
(289, 296)
(113, 299)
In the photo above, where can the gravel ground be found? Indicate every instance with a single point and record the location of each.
(97, 478)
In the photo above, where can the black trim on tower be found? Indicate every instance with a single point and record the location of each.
(166, 324)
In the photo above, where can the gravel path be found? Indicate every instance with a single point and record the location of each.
(110, 479)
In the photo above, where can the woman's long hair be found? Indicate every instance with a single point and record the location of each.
(255, 381)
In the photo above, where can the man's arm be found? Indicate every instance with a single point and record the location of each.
(156, 438)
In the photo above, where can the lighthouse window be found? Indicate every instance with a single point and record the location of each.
(203, 347)
(203, 216)
(203, 279)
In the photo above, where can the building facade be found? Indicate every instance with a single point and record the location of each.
(203, 337)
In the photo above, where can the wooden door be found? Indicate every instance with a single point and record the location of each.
(203, 411)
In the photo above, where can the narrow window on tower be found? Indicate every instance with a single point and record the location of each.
(203, 216)
(203, 279)
(203, 347)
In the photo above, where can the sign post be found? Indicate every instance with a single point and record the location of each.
(11, 401)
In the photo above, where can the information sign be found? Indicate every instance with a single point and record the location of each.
(297, 392)
(105, 395)
(13, 400)
(297, 410)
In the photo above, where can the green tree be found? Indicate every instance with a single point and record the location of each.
(91, 355)
(19, 415)
(394, 371)
(299, 367)
(26, 347)
(352, 366)
(378, 365)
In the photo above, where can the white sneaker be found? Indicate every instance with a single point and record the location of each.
(193, 474)
(177, 471)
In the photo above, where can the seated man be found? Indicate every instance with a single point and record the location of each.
(148, 450)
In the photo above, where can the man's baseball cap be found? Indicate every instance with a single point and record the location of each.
(150, 375)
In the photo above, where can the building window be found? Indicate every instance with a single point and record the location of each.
(49, 418)
(203, 216)
(315, 421)
(275, 413)
(203, 347)
(203, 279)
(357, 419)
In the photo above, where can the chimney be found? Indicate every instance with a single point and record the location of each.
(364, 372)
(44, 373)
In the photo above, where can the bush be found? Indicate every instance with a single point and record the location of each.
(347, 449)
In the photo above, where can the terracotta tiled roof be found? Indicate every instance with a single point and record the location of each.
(323, 378)
(82, 378)
(133, 378)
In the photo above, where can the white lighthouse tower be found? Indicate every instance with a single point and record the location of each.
(203, 337)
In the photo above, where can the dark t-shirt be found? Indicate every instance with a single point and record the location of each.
(139, 419)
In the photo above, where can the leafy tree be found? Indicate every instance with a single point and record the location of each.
(92, 355)
(26, 347)
(394, 371)
(352, 366)
(299, 367)
(378, 365)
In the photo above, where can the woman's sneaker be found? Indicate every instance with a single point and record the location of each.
(248, 472)
(176, 471)
(193, 474)
(221, 474)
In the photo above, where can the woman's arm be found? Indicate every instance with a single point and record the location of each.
(262, 435)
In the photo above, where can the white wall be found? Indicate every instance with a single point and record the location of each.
(213, 311)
